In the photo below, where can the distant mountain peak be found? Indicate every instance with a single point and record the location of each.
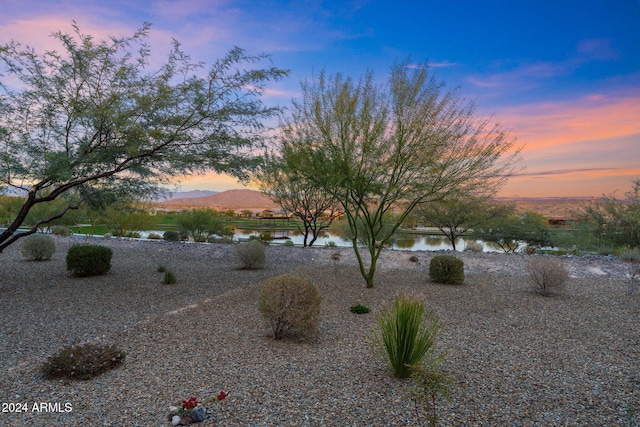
(236, 199)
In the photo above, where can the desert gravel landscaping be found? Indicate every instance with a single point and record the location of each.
(518, 359)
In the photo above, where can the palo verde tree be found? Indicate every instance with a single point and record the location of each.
(91, 117)
(457, 214)
(382, 149)
(509, 230)
(297, 195)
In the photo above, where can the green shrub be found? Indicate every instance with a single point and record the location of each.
(446, 269)
(288, 243)
(266, 237)
(154, 236)
(171, 236)
(251, 254)
(161, 268)
(359, 309)
(61, 230)
(406, 334)
(290, 305)
(169, 278)
(547, 275)
(132, 234)
(82, 361)
(88, 260)
(38, 247)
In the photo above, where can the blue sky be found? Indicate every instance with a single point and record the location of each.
(562, 76)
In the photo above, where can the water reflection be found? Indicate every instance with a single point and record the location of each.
(405, 242)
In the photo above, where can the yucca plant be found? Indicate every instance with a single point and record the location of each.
(406, 334)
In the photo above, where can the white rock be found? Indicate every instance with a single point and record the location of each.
(173, 409)
(175, 420)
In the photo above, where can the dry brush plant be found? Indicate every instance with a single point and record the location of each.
(547, 275)
(290, 305)
(251, 255)
(38, 248)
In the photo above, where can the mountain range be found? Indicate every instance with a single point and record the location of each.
(230, 199)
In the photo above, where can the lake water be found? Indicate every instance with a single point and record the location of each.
(405, 242)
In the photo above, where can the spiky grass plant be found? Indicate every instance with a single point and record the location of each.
(406, 333)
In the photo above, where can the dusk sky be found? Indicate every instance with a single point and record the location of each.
(562, 76)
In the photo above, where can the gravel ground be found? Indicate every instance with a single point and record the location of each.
(518, 359)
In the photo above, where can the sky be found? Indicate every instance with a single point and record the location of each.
(562, 76)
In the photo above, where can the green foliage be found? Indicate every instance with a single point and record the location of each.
(446, 269)
(359, 309)
(154, 236)
(82, 361)
(288, 243)
(613, 222)
(547, 275)
(458, 214)
(171, 236)
(265, 237)
(89, 260)
(161, 268)
(90, 116)
(431, 382)
(382, 148)
(61, 230)
(38, 248)
(201, 223)
(406, 334)
(509, 230)
(290, 305)
(251, 255)
(169, 278)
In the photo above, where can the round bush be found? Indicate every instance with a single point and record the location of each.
(251, 254)
(171, 236)
(446, 269)
(88, 260)
(290, 305)
(38, 248)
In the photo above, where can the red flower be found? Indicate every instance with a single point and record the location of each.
(189, 404)
(221, 395)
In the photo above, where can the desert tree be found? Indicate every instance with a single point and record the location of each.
(615, 222)
(201, 223)
(301, 197)
(387, 148)
(458, 214)
(509, 230)
(92, 117)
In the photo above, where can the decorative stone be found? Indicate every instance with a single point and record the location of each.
(198, 414)
(173, 410)
(175, 420)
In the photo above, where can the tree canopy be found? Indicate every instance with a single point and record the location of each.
(386, 148)
(92, 118)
